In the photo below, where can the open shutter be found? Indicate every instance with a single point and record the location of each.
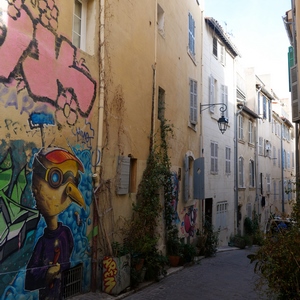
(211, 93)
(199, 187)
(294, 93)
(186, 178)
(123, 175)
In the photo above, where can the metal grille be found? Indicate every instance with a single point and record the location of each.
(72, 280)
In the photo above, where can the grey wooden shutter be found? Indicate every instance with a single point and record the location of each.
(199, 184)
(123, 175)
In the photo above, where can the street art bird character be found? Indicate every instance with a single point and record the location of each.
(55, 179)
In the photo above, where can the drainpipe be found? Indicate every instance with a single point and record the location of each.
(236, 171)
(153, 83)
(282, 160)
(96, 175)
(256, 160)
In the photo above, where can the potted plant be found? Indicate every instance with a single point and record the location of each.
(174, 247)
(189, 252)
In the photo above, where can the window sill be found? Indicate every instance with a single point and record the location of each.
(192, 126)
(192, 57)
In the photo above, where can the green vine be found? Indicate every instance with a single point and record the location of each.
(143, 236)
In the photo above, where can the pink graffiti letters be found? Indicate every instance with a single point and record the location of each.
(46, 62)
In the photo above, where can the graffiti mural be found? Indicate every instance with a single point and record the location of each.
(55, 181)
(30, 47)
(116, 274)
(47, 94)
(189, 220)
(16, 220)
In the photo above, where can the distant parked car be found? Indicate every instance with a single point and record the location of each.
(276, 225)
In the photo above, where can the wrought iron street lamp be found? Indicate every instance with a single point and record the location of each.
(223, 121)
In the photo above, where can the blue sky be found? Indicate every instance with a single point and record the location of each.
(257, 30)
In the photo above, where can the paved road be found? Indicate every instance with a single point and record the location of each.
(227, 276)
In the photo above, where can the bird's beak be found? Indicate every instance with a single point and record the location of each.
(73, 192)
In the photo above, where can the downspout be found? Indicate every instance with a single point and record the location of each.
(282, 166)
(98, 150)
(153, 83)
(236, 171)
(256, 159)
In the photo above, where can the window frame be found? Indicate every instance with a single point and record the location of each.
(251, 173)
(227, 160)
(241, 182)
(213, 157)
(240, 127)
(83, 25)
(193, 101)
(250, 132)
(192, 37)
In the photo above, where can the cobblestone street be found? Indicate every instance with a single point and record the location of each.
(227, 276)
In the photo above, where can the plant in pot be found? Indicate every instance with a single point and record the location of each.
(189, 251)
(174, 246)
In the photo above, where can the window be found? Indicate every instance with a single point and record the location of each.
(161, 104)
(126, 175)
(275, 190)
(79, 24)
(261, 146)
(193, 102)
(214, 157)
(215, 47)
(249, 210)
(223, 55)
(241, 171)
(212, 93)
(288, 158)
(264, 107)
(160, 20)
(224, 98)
(268, 177)
(284, 160)
(258, 104)
(191, 35)
(240, 129)
(293, 160)
(279, 157)
(250, 132)
(251, 173)
(221, 216)
(84, 29)
(274, 158)
(227, 160)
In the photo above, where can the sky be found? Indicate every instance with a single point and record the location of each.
(257, 30)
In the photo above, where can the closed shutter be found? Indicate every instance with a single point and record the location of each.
(294, 93)
(211, 93)
(123, 175)
(193, 101)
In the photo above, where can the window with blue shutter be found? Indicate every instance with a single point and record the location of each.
(191, 35)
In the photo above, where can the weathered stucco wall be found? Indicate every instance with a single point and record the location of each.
(47, 100)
